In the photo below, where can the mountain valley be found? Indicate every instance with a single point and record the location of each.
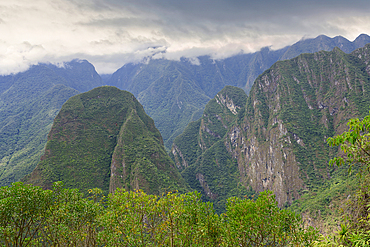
(249, 138)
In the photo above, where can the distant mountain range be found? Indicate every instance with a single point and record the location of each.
(173, 93)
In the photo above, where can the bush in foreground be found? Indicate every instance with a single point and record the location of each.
(30, 216)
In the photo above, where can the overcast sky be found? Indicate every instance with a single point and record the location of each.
(110, 33)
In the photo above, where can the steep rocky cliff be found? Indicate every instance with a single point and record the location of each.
(277, 139)
(175, 93)
(200, 153)
(292, 109)
(103, 138)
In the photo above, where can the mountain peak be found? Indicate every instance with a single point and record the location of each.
(104, 139)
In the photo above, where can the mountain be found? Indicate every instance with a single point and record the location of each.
(277, 139)
(78, 74)
(199, 152)
(104, 139)
(324, 43)
(175, 93)
(29, 102)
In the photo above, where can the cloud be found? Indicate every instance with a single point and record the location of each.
(110, 33)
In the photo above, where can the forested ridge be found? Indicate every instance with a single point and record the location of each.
(174, 93)
(275, 138)
(29, 102)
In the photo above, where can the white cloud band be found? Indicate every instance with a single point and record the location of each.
(111, 33)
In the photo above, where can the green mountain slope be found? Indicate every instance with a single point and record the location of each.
(172, 92)
(103, 138)
(175, 93)
(276, 141)
(29, 102)
(199, 152)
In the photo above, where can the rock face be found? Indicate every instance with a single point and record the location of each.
(200, 152)
(277, 139)
(175, 93)
(103, 138)
(292, 109)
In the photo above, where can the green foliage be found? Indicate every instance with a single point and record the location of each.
(201, 146)
(138, 219)
(216, 175)
(355, 144)
(187, 143)
(29, 102)
(71, 218)
(94, 134)
(263, 223)
(324, 205)
(146, 160)
(237, 95)
(23, 213)
(31, 216)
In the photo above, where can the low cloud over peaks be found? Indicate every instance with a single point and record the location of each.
(110, 33)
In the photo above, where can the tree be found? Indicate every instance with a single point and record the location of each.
(355, 147)
(24, 211)
(263, 223)
(134, 218)
(355, 144)
(31, 216)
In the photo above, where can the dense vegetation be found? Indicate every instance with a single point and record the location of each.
(29, 102)
(274, 139)
(31, 216)
(355, 145)
(104, 139)
(200, 150)
(320, 93)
